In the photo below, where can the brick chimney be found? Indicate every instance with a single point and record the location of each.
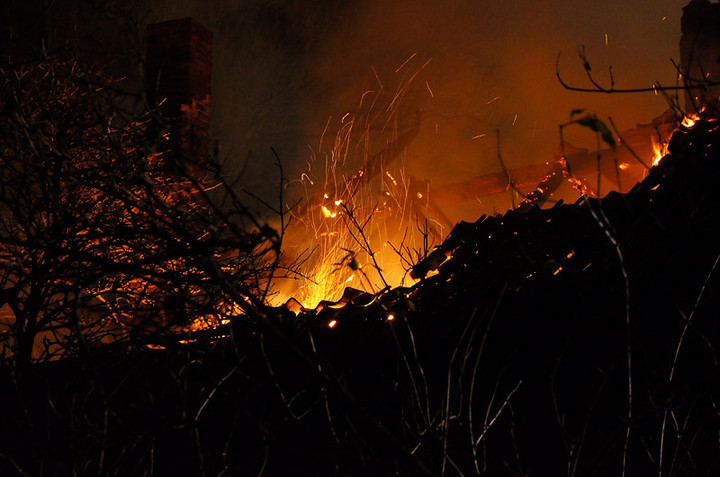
(178, 66)
(700, 54)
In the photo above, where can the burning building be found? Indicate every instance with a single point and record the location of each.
(580, 338)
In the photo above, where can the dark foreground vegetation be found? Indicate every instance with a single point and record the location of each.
(578, 340)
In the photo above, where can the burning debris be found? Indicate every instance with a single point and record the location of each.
(542, 297)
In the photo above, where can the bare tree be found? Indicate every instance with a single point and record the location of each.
(105, 234)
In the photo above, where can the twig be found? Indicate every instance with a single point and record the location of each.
(488, 425)
(212, 393)
(677, 354)
(605, 226)
(597, 88)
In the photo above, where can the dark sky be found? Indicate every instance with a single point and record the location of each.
(283, 69)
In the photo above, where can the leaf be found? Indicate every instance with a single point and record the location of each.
(575, 112)
(599, 127)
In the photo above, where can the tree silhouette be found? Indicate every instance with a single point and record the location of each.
(106, 235)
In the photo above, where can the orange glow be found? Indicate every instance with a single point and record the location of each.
(689, 120)
(623, 166)
(332, 324)
(659, 150)
(327, 213)
(390, 317)
(578, 185)
(355, 242)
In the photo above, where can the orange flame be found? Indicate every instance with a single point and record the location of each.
(689, 120)
(659, 150)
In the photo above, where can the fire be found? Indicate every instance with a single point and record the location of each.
(689, 120)
(326, 212)
(660, 145)
(659, 148)
(356, 203)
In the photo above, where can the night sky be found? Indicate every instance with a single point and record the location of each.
(282, 69)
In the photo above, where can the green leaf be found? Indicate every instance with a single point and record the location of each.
(599, 127)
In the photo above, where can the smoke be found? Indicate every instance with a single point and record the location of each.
(284, 70)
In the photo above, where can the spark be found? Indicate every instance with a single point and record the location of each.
(427, 84)
(405, 63)
(515, 120)
(606, 39)
(479, 136)
(343, 118)
(391, 178)
(332, 324)
(304, 176)
(493, 100)
(390, 317)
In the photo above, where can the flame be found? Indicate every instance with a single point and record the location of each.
(326, 212)
(660, 150)
(364, 203)
(689, 120)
